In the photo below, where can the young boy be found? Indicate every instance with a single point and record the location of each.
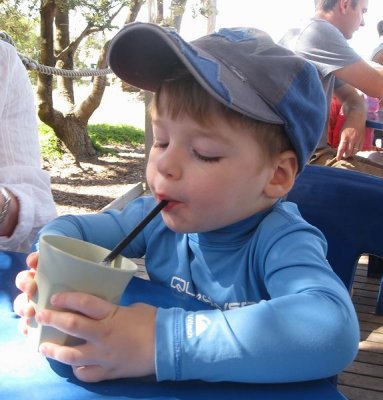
(235, 118)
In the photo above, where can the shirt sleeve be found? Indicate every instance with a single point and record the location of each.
(306, 330)
(324, 45)
(20, 169)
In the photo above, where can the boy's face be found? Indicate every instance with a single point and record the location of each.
(212, 176)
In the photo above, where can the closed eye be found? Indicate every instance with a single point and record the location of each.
(206, 158)
(160, 145)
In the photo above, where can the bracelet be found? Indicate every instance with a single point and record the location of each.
(5, 208)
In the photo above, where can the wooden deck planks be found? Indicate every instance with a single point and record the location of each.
(363, 379)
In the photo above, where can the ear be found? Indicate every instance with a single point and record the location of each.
(283, 178)
(343, 5)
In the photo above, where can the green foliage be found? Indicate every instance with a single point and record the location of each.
(50, 146)
(100, 134)
(21, 27)
(103, 134)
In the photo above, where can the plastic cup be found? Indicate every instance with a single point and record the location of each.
(67, 264)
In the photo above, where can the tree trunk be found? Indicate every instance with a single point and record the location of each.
(134, 9)
(74, 135)
(64, 55)
(212, 15)
(70, 126)
(44, 82)
(177, 8)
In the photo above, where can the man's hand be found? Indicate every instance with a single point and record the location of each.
(351, 141)
(354, 127)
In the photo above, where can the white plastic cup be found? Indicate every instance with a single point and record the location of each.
(67, 264)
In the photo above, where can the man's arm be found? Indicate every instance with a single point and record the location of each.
(366, 78)
(354, 127)
(378, 57)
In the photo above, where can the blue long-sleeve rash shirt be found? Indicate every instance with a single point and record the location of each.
(280, 314)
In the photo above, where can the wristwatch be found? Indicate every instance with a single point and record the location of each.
(7, 201)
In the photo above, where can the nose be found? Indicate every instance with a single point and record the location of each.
(362, 21)
(169, 163)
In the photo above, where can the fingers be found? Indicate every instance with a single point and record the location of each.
(355, 148)
(69, 323)
(86, 304)
(342, 150)
(25, 281)
(82, 315)
(32, 260)
(23, 326)
(85, 368)
(119, 345)
(347, 148)
(23, 307)
(77, 356)
(90, 373)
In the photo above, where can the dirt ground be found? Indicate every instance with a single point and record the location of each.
(96, 183)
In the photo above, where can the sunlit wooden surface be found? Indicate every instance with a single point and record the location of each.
(363, 379)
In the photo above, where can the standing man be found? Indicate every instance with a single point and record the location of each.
(323, 40)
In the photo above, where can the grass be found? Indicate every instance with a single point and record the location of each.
(100, 135)
(50, 146)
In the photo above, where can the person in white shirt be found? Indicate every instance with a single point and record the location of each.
(26, 202)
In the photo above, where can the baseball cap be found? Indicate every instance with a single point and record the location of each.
(240, 67)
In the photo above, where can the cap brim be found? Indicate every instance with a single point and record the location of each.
(144, 54)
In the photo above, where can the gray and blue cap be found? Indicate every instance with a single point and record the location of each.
(240, 67)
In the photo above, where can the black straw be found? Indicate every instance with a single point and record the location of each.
(124, 242)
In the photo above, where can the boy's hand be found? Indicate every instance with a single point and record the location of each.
(25, 281)
(119, 340)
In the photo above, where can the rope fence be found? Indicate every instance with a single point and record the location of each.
(44, 69)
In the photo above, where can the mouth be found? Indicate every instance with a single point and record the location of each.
(171, 202)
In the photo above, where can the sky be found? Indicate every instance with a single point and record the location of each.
(277, 16)
(273, 16)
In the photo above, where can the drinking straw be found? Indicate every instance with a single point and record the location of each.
(124, 242)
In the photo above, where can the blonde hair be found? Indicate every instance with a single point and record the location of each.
(183, 95)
